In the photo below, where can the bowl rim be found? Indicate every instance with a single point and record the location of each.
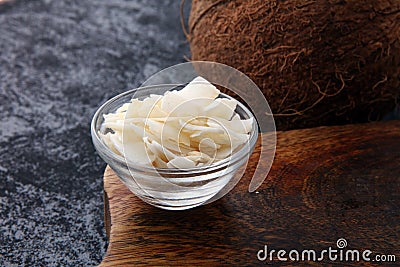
(230, 160)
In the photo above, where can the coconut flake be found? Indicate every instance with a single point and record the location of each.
(221, 108)
(199, 88)
(181, 163)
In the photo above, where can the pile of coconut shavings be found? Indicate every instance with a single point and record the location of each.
(180, 129)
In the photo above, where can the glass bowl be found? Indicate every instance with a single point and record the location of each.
(172, 189)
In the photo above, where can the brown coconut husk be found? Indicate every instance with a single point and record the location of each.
(317, 62)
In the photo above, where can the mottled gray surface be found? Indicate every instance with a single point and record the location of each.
(59, 60)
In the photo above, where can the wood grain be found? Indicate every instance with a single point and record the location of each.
(326, 183)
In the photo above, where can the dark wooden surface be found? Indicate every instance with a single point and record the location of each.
(326, 183)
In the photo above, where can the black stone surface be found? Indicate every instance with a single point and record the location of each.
(59, 61)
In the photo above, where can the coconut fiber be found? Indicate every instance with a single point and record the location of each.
(317, 62)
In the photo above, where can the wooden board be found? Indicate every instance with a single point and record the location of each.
(326, 183)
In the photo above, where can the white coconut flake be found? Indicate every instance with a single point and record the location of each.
(199, 88)
(237, 126)
(181, 163)
(221, 108)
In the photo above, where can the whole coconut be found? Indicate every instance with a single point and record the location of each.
(317, 62)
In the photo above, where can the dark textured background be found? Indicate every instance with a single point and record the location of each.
(59, 60)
